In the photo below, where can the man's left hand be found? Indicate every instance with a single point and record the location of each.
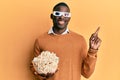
(95, 41)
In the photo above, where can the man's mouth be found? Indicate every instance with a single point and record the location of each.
(61, 22)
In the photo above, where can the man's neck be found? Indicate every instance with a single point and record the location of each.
(58, 30)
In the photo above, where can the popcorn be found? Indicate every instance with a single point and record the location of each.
(46, 62)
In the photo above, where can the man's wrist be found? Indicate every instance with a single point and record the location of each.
(92, 51)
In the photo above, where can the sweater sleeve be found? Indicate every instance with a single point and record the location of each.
(37, 49)
(36, 52)
(88, 60)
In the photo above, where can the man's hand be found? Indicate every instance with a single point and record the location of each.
(44, 76)
(95, 41)
(41, 76)
(48, 75)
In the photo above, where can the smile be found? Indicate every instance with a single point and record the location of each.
(61, 22)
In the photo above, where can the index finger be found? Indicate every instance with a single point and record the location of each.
(96, 32)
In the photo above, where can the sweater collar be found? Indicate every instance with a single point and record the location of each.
(52, 32)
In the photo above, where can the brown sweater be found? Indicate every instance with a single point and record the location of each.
(71, 49)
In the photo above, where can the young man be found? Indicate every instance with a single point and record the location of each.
(70, 47)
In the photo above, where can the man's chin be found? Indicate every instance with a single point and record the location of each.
(61, 26)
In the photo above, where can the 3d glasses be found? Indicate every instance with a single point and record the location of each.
(59, 13)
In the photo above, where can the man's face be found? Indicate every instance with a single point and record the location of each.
(61, 21)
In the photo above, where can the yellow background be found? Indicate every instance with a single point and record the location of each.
(22, 21)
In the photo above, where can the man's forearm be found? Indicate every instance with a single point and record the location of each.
(89, 62)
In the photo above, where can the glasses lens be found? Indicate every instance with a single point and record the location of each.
(66, 14)
(57, 13)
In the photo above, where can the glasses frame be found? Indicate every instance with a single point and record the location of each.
(61, 13)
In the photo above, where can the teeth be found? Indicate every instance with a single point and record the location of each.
(61, 22)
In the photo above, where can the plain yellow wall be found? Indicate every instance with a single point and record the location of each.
(22, 21)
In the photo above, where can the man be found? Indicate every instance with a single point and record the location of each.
(70, 47)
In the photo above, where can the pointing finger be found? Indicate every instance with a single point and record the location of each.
(96, 32)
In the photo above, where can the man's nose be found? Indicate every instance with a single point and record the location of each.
(61, 16)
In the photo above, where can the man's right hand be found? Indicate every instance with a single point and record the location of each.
(44, 76)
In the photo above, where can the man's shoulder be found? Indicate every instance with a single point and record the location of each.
(78, 37)
(75, 34)
(42, 35)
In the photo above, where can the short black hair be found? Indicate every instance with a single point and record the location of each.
(61, 4)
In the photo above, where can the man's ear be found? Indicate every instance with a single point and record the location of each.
(51, 16)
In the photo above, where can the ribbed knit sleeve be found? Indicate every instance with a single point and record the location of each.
(36, 48)
(89, 60)
(37, 51)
